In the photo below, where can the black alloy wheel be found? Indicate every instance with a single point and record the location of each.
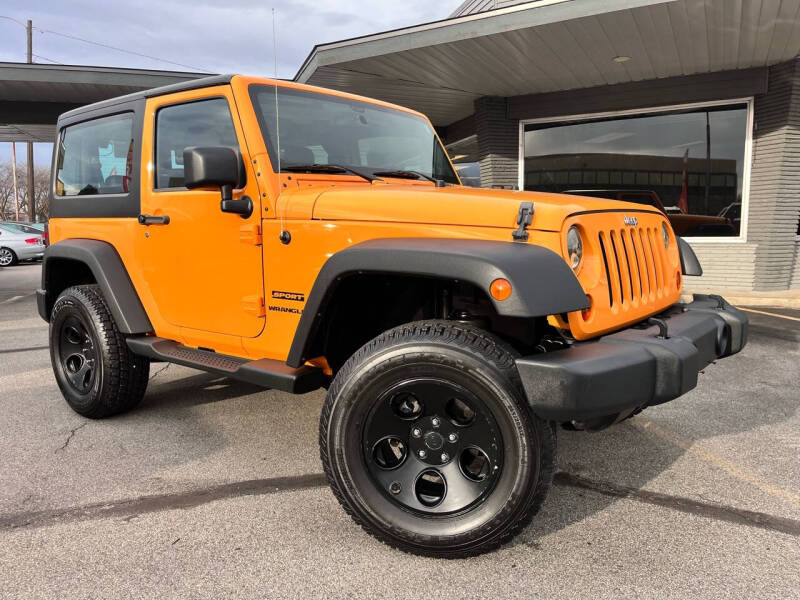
(77, 354)
(432, 446)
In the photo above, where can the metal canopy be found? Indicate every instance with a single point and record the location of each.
(440, 68)
(32, 96)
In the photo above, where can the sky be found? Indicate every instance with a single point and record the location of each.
(217, 37)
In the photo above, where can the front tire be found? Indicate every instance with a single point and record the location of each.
(429, 444)
(96, 372)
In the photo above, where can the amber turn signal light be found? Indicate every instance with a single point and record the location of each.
(500, 289)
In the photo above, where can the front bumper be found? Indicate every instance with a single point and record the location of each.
(605, 380)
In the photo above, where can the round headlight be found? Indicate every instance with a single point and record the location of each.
(574, 247)
(665, 233)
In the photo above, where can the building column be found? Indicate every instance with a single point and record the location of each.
(498, 143)
(775, 178)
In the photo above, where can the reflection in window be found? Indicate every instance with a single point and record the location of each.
(688, 163)
(95, 157)
(322, 129)
(203, 123)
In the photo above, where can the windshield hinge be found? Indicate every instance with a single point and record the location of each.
(524, 218)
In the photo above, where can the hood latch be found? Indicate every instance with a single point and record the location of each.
(524, 218)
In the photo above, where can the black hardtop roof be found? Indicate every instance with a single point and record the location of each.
(191, 84)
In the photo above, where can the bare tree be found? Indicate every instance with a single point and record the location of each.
(41, 179)
(7, 209)
(42, 193)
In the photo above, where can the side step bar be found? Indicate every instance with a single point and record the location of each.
(266, 372)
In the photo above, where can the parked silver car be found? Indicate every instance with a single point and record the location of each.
(19, 242)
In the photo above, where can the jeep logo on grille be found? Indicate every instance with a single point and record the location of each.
(633, 221)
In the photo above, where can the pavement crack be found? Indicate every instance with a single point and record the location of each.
(71, 435)
(161, 370)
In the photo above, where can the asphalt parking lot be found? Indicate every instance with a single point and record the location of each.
(213, 488)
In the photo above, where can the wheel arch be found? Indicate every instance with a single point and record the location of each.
(80, 261)
(542, 283)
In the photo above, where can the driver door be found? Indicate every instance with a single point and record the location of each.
(204, 267)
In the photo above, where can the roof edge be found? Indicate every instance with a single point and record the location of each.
(192, 84)
(517, 16)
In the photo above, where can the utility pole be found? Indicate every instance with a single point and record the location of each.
(31, 191)
(14, 177)
(708, 163)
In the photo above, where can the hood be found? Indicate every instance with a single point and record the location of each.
(453, 205)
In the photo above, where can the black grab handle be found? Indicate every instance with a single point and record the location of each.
(153, 220)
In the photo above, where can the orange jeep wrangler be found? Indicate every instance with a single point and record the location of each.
(299, 238)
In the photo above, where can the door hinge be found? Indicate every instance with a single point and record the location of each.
(254, 305)
(524, 218)
(251, 234)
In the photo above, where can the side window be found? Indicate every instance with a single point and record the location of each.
(94, 157)
(201, 123)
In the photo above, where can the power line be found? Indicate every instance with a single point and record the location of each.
(85, 41)
(48, 59)
(102, 45)
(17, 21)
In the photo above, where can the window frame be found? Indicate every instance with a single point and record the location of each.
(154, 180)
(655, 110)
(124, 205)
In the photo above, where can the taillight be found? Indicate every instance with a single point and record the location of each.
(32, 241)
(46, 236)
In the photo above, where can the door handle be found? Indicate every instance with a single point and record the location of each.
(153, 220)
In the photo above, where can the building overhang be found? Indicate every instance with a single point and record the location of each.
(543, 46)
(33, 95)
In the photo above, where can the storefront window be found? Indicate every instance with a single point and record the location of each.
(688, 163)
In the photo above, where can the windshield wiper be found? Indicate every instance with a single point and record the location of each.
(315, 168)
(406, 174)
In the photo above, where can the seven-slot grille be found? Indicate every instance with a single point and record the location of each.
(636, 265)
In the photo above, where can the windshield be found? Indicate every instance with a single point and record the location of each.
(318, 129)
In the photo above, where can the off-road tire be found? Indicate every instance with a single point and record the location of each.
(119, 378)
(9, 252)
(474, 359)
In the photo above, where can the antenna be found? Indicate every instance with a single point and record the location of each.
(285, 236)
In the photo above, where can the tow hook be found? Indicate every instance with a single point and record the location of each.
(663, 331)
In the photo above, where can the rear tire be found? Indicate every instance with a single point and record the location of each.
(96, 372)
(7, 257)
(415, 468)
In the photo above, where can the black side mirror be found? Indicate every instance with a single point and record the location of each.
(212, 166)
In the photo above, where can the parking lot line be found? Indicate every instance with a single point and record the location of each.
(770, 314)
(31, 379)
(717, 461)
(22, 324)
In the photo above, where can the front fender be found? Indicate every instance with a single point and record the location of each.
(541, 281)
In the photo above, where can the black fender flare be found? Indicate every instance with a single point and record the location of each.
(109, 272)
(541, 281)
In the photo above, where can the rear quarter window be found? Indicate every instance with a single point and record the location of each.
(94, 157)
